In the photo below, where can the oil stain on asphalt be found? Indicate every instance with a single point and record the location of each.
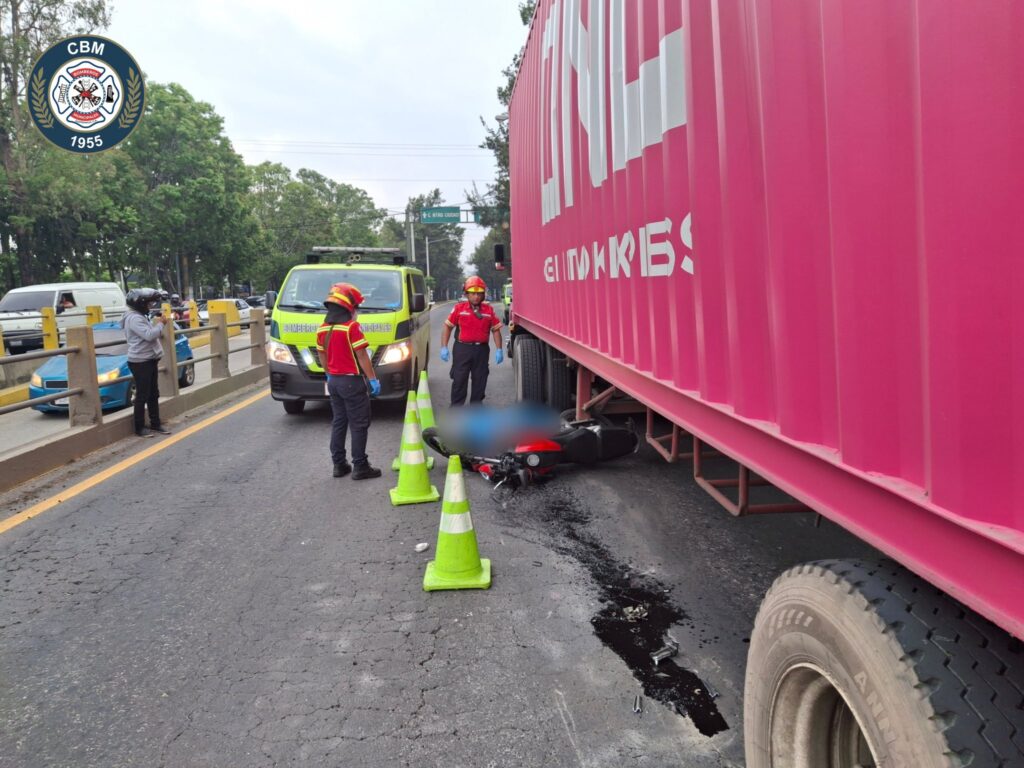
(637, 614)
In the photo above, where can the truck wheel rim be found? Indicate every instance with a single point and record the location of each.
(814, 726)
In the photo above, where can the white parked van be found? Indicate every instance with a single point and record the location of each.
(19, 309)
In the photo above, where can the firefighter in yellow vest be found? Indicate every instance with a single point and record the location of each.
(344, 357)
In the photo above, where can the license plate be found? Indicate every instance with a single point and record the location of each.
(61, 401)
(15, 342)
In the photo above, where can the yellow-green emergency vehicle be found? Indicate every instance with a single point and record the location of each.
(507, 299)
(394, 317)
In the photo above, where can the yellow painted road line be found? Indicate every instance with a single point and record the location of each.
(74, 490)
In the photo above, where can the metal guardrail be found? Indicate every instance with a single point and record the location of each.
(85, 406)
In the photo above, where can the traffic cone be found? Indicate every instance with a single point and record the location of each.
(458, 564)
(396, 463)
(423, 403)
(413, 481)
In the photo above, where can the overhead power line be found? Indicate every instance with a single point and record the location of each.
(361, 144)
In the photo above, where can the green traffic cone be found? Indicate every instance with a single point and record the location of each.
(396, 463)
(458, 564)
(413, 481)
(423, 403)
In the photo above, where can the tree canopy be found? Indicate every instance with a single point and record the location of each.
(175, 205)
(494, 203)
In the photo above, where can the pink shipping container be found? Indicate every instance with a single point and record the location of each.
(793, 229)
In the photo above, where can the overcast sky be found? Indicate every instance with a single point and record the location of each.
(382, 94)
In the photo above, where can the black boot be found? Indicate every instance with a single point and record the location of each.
(340, 470)
(365, 472)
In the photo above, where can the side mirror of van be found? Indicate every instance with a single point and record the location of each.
(419, 302)
(59, 309)
(269, 299)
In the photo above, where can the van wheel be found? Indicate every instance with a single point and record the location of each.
(129, 395)
(294, 406)
(188, 376)
(860, 664)
(557, 379)
(528, 369)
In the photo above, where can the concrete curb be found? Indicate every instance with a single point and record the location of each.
(37, 458)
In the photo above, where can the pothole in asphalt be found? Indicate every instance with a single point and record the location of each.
(637, 614)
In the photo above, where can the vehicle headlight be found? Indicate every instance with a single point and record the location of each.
(103, 378)
(280, 353)
(396, 353)
(37, 381)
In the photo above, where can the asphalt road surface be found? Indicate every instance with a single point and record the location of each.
(226, 602)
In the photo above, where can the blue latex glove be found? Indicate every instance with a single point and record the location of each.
(499, 357)
(374, 387)
(445, 355)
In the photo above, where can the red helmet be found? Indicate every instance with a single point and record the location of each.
(345, 294)
(474, 284)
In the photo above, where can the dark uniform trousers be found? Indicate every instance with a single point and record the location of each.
(147, 395)
(350, 403)
(469, 360)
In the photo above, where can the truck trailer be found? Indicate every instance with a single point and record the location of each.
(789, 233)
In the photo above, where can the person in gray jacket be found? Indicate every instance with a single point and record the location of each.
(144, 352)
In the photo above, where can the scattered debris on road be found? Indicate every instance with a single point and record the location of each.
(422, 546)
(635, 612)
(667, 651)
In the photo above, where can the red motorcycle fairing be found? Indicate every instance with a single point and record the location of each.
(538, 446)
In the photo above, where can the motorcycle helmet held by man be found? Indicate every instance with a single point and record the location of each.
(141, 299)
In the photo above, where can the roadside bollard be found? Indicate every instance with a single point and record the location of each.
(51, 336)
(2, 347)
(193, 314)
(85, 409)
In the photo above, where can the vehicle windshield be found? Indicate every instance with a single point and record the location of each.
(306, 289)
(104, 335)
(29, 301)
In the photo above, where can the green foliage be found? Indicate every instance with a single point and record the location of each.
(27, 28)
(483, 260)
(298, 213)
(175, 204)
(445, 245)
(494, 203)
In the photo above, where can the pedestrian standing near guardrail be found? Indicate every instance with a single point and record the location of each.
(144, 353)
(343, 353)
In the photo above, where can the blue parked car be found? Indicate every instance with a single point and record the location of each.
(111, 363)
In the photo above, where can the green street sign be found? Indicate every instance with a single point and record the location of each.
(445, 215)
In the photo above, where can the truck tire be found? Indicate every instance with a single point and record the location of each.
(529, 370)
(557, 379)
(294, 406)
(863, 664)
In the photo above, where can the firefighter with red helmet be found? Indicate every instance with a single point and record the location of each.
(475, 322)
(342, 349)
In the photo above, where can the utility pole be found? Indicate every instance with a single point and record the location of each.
(412, 234)
(436, 240)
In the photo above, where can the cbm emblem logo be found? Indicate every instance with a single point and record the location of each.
(86, 94)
